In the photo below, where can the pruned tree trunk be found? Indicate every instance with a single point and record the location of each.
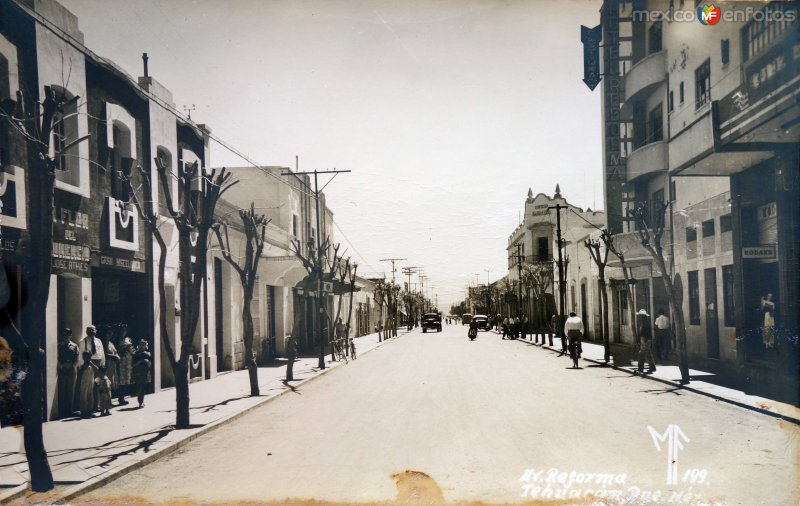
(248, 331)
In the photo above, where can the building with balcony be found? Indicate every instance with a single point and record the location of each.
(707, 118)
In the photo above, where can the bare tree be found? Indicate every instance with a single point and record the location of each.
(608, 241)
(352, 280)
(198, 192)
(601, 260)
(650, 228)
(255, 229)
(35, 122)
(538, 278)
(315, 265)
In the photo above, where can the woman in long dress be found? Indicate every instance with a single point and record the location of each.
(768, 330)
(85, 390)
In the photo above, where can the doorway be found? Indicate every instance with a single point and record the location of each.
(712, 320)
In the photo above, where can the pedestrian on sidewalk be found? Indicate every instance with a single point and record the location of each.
(506, 324)
(663, 338)
(85, 391)
(112, 359)
(141, 371)
(67, 373)
(645, 342)
(523, 325)
(102, 391)
(125, 350)
(573, 329)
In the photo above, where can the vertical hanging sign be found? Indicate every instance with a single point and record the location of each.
(590, 37)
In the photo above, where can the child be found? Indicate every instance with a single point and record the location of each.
(102, 388)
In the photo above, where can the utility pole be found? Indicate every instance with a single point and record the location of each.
(519, 274)
(393, 260)
(408, 271)
(488, 294)
(562, 283)
(422, 279)
(316, 190)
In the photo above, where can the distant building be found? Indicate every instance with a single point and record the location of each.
(533, 249)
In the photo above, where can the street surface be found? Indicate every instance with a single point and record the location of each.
(489, 420)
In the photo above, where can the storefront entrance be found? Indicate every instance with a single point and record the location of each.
(121, 298)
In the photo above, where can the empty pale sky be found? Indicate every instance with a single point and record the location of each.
(446, 111)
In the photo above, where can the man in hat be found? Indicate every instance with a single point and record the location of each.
(645, 342)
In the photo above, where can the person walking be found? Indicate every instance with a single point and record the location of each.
(573, 329)
(645, 342)
(67, 373)
(141, 371)
(663, 338)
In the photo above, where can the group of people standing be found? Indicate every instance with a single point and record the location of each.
(92, 371)
(512, 326)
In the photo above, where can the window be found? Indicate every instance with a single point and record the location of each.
(542, 244)
(655, 122)
(121, 162)
(680, 92)
(656, 202)
(673, 191)
(725, 51)
(671, 101)
(295, 230)
(623, 307)
(694, 298)
(764, 30)
(702, 84)
(65, 130)
(725, 223)
(691, 234)
(708, 228)
(654, 37)
(727, 295)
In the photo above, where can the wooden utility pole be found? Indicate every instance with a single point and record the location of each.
(316, 190)
(562, 283)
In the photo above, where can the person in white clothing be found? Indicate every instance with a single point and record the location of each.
(663, 338)
(573, 329)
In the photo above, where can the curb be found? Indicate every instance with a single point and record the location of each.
(684, 387)
(105, 478)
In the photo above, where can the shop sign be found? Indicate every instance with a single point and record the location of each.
(761, 251)
(70, 259)
(112, 262)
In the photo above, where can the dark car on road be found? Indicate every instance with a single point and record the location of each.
(482, 321)
(431, 321)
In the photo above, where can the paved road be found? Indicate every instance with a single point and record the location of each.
(489, 420)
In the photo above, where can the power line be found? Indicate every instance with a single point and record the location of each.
(56, 30)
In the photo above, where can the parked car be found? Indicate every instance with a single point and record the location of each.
(466, 318)
(431, 321)
(482, 321)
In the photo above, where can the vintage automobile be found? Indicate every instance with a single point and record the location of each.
(466, 318)
(431, 321)
(482, 321)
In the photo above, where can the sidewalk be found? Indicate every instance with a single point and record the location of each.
(671, 375)
(84, 454)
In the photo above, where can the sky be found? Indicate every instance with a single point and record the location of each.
(445, 111)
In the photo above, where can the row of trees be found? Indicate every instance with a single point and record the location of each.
(189, 211)
(650, 229)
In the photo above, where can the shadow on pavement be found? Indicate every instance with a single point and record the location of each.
(211, 407)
